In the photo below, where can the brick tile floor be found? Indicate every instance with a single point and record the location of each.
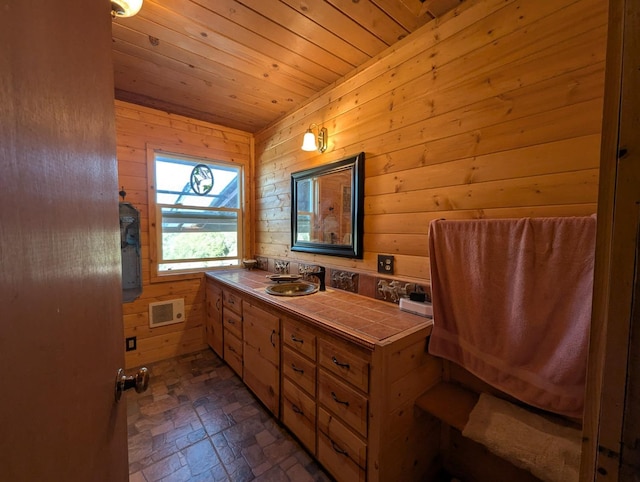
(198, 422)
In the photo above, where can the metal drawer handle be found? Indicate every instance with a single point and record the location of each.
(296, 340)
(338, 449)
(296, 369)
(337, 400)
(341, 365)
(273, 332)
(296, 409)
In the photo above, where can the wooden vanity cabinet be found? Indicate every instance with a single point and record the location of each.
(213, 325)
(348, 400)
(261, 343)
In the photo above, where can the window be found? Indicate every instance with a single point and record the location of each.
(198, 215)
(307, 203)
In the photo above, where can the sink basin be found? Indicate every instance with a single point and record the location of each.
(298, 288)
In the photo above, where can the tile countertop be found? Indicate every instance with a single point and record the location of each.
(365, 320)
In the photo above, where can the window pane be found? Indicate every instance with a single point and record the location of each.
(304, 195)
(198, 234)
(173, 183)
(304, 227)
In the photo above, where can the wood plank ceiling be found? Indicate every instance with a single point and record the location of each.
(246, 63)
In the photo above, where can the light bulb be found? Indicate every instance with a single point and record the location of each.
(125, 8)
(309, 141)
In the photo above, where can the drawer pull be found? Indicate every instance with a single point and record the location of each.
(295, 408)
(296, 369)
(337, 400)
(340, 364)
(296, 340)
(338, 449)
(230, 348)
(230, 321)
(273, 332)
(218, 304)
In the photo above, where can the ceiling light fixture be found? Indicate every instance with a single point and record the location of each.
(309, 141)
(125, 8)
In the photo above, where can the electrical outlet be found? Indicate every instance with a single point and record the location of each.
(130, 343)
(385, 264)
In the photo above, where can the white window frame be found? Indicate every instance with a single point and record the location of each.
(155, 218)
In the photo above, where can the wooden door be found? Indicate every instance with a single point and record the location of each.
(61, 334)
(611, 451)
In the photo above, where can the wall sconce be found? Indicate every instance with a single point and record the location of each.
(125, 8)
(309, 140)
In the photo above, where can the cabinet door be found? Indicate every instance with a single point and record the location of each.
(261, 337)
(213, 327)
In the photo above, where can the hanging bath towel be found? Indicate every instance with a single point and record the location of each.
(512, 304)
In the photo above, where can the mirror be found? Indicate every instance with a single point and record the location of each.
(327, 208)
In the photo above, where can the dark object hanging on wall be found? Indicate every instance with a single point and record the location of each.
(130, 252)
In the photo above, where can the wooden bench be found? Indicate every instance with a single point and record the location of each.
(462, 457)
(450, 403)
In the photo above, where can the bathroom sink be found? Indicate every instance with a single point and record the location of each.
(298, 288)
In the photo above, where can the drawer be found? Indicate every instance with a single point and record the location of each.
(232, 301)
(346, 364)
(299, 338)
(299, 414)
(300, 370)
(232, 322)
(342, 452)
(233, 352)
(342, 400)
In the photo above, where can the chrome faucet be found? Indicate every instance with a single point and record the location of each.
(320, 275)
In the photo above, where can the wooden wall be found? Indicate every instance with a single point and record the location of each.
(136, 128)
(493, 111)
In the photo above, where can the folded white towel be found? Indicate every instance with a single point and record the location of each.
(549, 451)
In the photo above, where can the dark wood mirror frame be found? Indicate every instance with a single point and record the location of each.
(327, 208)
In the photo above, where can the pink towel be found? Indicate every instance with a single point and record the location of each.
(512, 304)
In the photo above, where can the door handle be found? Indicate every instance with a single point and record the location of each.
(139, 381)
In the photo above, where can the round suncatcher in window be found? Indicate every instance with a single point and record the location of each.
(201, 179)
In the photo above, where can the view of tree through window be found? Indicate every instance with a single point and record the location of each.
(198, 206)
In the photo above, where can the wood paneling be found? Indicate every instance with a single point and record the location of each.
(136, 129)
(612, 422)
(492, 112)
(246, 63)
